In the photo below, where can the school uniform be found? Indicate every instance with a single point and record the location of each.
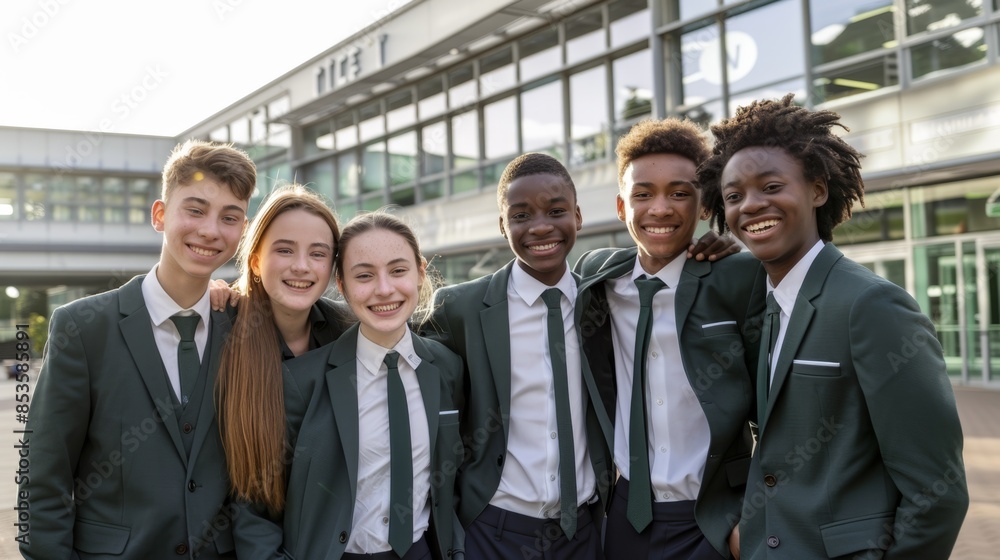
(510, 485)
(328, 319)
(860, 451)
(337, 499)
(698, 394)
(121, 467)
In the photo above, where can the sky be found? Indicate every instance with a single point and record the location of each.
(157, 67)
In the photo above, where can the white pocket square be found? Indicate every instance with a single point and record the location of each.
(445, 412)
(719, 324)
(816, 363)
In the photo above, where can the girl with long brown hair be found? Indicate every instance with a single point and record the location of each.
(285, 262)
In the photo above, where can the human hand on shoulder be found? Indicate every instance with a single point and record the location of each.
(713, 247)
(219, 293)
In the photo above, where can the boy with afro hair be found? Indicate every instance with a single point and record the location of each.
(674, 363)
(860, 448)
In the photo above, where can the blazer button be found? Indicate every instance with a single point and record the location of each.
(773, 542)
(343, 537)
(181, 549)
(499, 460)
(192, 486)
(187, 428)
(770, 480)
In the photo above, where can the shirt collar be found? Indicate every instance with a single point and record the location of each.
(788, 290)
(670, 274)
(316, 321)
(530, 289)
(162, 307)
(371, 355)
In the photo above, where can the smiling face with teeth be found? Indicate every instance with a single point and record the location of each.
(380, 277)
(294, 261)
(659, 201)
(771, 206)
(540, 219)
(201, 224)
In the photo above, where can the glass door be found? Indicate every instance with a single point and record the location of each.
(986, 361)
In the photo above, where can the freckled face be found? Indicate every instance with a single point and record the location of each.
(381, 281)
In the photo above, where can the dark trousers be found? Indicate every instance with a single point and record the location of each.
(419, 551)
(498, 534)
(673, 534)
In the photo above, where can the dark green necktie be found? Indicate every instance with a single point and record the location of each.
(640, 495)
(768, 338)
(564, 420)
(188, 361)
(400, 462)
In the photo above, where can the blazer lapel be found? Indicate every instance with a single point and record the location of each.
(342, 385)
(799, 320)
(687, 289)
(496, 328)
(428, 376)
(607, 427)
(220, 328)
(138, 334)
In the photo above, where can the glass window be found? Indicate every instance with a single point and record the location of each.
(465, 182)
(61, 188)
(113, 192)
(114, 215)
(496, 72)
(434, 144)
(34, 196)
(370, 121)
(220, 134)
(756, 55)
(701, 65)
(964, 47)
(633, 86)
(403, 158)
(406, 196)
(693, 8)
(279, 138)
(933, 15)
(8, 197)
(868, 75)
(372, 203)
(542, 119)
(258, 126)
(239, 131)
(588, 111)
(777, 91)
(430, 98)
(630, 21)
(492, 173)
(317, 138)
(500, 121)
(345, 131)
(584, 35)
(346, 209)
(278, 107)
(880, 220)
(539, 54)
(88, 190)
(373, 168)
(319, 177)
(431, 190)
(402, 112)
(850, 27)
(465, 139)
(461, 87)
(706, 114)
(347, 176)
(954, 208)
(142, 192)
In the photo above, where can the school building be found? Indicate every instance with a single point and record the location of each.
(424, 108)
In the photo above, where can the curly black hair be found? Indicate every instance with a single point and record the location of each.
(531, 163)
(667, 136)
(807, 136)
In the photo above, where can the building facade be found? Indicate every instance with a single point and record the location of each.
(425, 107)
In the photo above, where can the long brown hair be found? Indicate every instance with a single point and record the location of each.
(249, 392)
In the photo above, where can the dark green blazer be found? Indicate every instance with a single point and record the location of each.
(718, 307)
(321, 405)
(471, 319)
(860, 448)
(103, 426)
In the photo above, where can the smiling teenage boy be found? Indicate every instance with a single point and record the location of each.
(126, 460)
(849, 361)
(537, 467)
(679, 390)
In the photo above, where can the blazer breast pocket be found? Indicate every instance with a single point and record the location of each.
(720, 328)
(816, 368)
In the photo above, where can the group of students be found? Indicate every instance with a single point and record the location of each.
(649, 403)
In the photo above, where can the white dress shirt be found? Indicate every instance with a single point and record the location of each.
(370, 531)
(676, 427)
(161, 308)
(785, 294)
(529, 484)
